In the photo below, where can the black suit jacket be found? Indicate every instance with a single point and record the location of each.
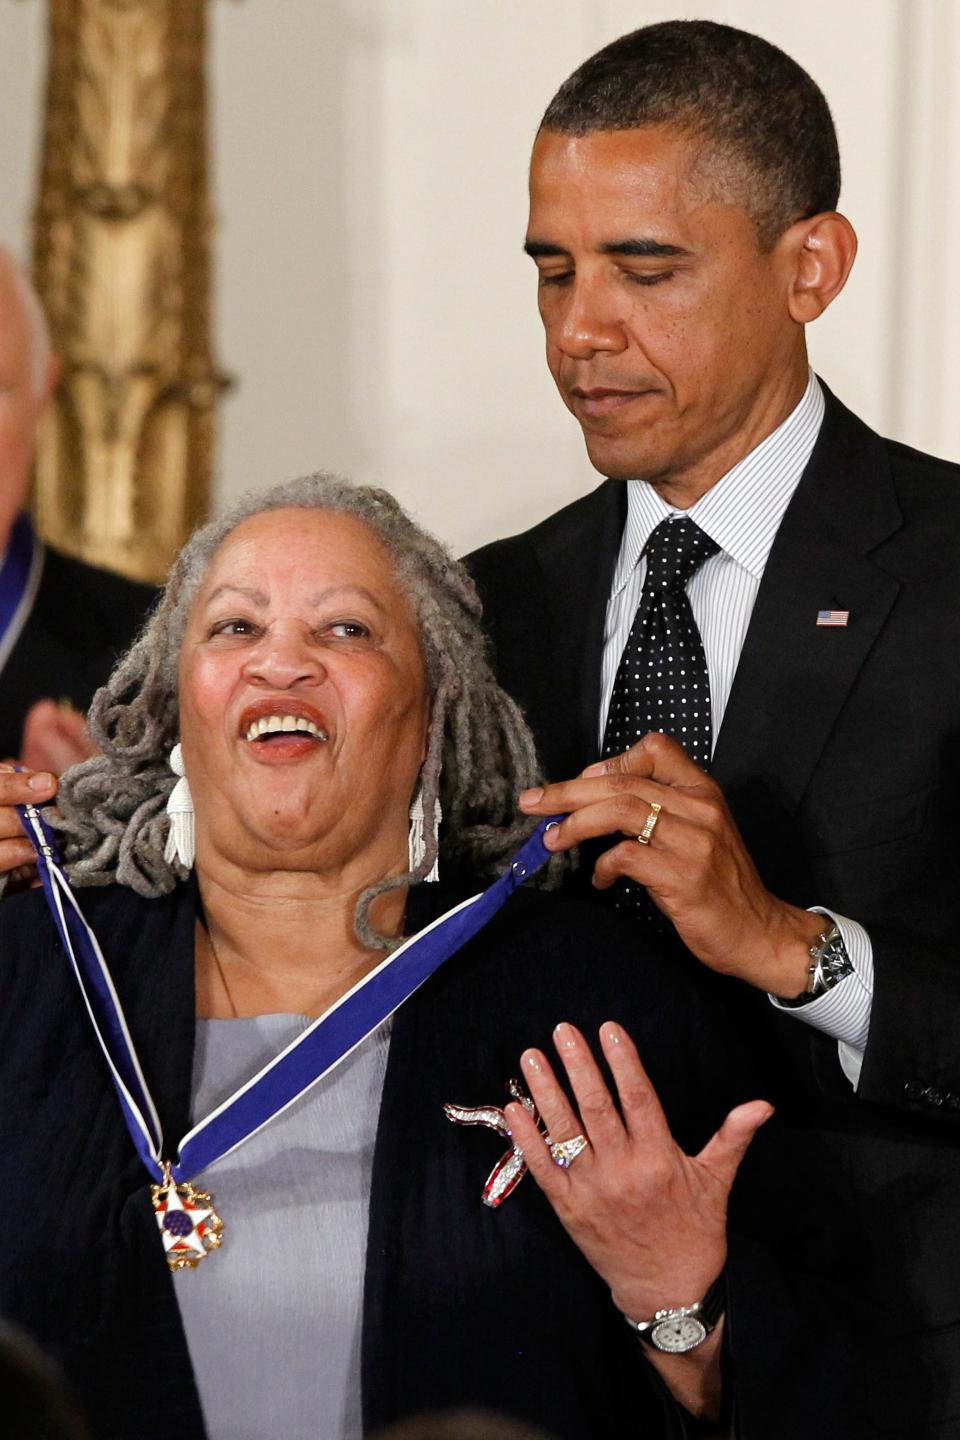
(82, 620)
(463, 1305)
(838, 754)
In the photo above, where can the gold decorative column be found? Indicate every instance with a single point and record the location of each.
(122, 264)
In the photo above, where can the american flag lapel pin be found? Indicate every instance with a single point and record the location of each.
(832, 617)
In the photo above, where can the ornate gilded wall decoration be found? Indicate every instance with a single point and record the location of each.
(122, 263)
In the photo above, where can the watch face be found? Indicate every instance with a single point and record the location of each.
(678, 1334)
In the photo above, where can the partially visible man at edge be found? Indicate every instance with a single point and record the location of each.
(683, 221)
(62, 623)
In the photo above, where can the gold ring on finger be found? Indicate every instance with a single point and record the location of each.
(650, 824)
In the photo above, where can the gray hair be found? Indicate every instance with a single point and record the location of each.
(112, 814)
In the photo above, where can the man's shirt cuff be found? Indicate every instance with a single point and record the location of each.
(844, 1011)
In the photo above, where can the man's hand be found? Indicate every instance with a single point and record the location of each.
(55, 737)
(650, 1219)
(696, 867)
(17, 855)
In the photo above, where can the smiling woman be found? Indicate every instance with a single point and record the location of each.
(301, 625)
(320, 601)
(316, 669)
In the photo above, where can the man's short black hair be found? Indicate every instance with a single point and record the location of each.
(766, 128)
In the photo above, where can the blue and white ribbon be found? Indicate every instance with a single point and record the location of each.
(321, 1047)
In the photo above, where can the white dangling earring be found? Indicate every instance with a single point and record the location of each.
(416, 843)
(181, 843)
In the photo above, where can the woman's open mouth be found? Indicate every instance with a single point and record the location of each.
(271, 727)
(283, 727)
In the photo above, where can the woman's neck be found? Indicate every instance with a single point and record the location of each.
(282, 943)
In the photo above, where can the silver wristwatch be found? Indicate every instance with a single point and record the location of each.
(829, 964)
(680, 1328)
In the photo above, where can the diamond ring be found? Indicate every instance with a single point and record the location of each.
(564, 1152)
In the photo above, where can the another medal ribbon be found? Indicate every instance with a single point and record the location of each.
(19, 577)
(314, 1054)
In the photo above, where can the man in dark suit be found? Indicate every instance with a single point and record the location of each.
(62, 623)
(684, 226)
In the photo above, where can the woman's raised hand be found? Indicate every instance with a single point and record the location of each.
(650, 1219)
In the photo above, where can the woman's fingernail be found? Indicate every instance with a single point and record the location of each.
(600, 768)
(532, 797)
(41, 781)
(565, 1035)
(530, 1060)
(611, 1031)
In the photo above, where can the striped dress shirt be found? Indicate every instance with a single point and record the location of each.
(742, 513)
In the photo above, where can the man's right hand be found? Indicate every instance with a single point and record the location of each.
(25, 787)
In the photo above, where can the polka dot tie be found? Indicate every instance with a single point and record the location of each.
(662, 681)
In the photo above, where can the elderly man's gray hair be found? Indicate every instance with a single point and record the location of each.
(112, 809)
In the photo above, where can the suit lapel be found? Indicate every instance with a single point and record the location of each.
(577, 556)
(794, 676)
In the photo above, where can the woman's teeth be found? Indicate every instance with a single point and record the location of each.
(291, 724)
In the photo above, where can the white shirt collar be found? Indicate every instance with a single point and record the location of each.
(743, 510)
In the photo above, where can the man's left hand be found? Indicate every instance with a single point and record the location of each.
(17, 855)
(695, 867)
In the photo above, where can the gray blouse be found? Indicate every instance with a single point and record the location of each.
(273, 1318)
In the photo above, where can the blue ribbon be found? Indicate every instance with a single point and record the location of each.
(96, 986)
(311, 1056)
(15, 571)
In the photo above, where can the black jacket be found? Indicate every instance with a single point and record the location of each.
(463, 1305)
(839, 754)
(81, 621)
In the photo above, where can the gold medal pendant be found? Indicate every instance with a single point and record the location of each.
(189, 1226)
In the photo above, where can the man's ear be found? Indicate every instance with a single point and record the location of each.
(821, 252)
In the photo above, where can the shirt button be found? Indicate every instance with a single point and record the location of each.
(914, 1091)
(933, 1096)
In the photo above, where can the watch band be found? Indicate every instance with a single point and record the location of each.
(829, 964)
(677, 1329)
